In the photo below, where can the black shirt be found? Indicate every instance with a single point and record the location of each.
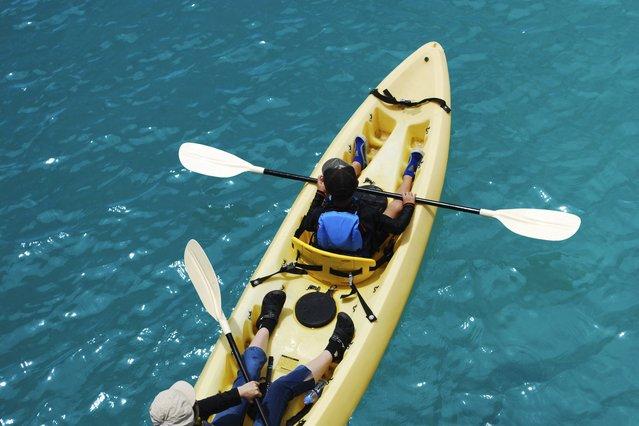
(375, 225)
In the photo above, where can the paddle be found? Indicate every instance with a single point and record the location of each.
(550, 225)
(205, 282)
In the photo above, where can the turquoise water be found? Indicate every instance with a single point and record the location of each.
(95, 209)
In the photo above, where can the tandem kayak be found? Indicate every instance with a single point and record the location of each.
(409, 109)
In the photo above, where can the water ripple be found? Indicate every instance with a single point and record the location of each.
(98, 314)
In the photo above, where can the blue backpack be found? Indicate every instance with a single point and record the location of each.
(339, 231)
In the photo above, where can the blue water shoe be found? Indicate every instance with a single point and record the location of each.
(415, 159)
(360, 151)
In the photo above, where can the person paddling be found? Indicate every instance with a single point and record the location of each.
(344, 224)
(177, 406)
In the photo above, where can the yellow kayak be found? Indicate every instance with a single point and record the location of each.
(392, 127)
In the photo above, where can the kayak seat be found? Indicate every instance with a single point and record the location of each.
(332, 268)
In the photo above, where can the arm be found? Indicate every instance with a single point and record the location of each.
(217, 403)
(398, 225)
(220, 402)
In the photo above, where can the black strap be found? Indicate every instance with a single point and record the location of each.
(367, 310)
(345, 274)
(297, 417)
(308, 267)
(290, 268)
(388, 98)
(305, 266)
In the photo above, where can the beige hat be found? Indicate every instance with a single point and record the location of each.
(174, 406)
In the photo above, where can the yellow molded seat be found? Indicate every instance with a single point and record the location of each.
(335, 268)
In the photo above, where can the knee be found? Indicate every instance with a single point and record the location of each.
(280, 389)
(278, 386)
(254, 359)
(254, 354)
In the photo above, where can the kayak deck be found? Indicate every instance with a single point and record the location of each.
(392, 131)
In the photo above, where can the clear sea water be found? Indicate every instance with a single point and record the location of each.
(95, 209)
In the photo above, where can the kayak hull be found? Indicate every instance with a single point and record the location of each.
(392, 131)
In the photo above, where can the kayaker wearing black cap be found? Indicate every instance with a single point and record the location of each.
(343, 224)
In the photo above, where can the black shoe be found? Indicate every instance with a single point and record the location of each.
(342, 336)
(271, 308)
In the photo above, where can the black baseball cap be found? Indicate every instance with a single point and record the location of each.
(339, 178)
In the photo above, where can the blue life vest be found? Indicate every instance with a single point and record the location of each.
(339, 231)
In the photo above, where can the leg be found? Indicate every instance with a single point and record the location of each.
(282, 391)
(254, 356)
(359, 157)
(304, 377)
(341, 337)
(261, 339)
(395, 207)
(358, 168)
(319, 365)
(414, 160)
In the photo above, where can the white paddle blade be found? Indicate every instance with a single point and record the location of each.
(214, 162)
(549, 225)
(205, 282)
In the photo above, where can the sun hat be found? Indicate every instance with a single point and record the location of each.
(174, 406)
(339, 178)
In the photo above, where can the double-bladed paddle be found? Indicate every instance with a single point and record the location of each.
(205, 282)
(550, 225)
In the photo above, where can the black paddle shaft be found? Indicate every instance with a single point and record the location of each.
(240, 361)
(376, 192)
